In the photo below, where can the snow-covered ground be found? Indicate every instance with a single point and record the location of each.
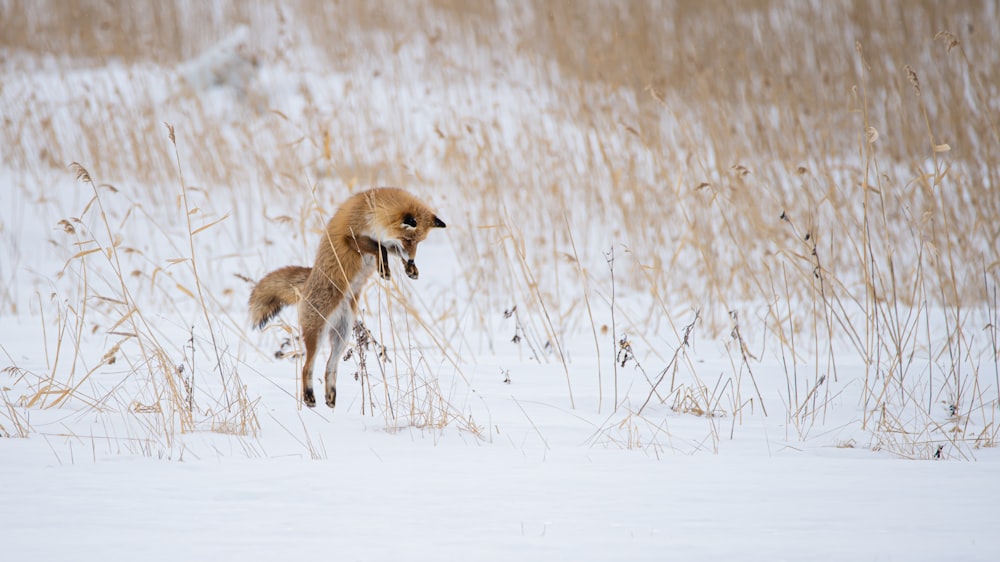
(539, 481)
(526, 406)
(382, 497)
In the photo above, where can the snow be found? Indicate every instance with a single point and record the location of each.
(139, 420)
(387, 497)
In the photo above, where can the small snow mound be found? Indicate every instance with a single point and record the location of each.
(230, 63)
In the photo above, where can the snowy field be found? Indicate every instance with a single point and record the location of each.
(686, 306)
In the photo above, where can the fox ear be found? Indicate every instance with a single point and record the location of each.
(409, 223)
(438, 223)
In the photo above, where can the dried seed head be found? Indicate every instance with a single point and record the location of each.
(949, 38)
(655, 94)
(912, 75)
(81, 173)
(871, 135)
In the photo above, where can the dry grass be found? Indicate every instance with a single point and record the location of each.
(164, 389)
(824, 173)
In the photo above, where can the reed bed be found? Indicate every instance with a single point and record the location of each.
(811, 184)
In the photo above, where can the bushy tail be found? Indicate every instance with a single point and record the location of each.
(277, 289)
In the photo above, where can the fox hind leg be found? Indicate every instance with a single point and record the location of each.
(340, 323)
(311, 340)
(312, 321)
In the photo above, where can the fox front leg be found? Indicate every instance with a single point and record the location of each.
(368, 245)
(383, 262)
(408, 264)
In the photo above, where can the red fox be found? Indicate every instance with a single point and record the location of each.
(358, 240)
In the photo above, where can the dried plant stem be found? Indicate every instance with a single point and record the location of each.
(194, 266)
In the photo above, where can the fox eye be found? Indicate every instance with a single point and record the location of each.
(409, 222)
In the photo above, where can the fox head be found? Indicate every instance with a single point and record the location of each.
(412, 227)
(397, 220)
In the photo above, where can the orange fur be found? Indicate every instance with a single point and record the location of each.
(364, 230)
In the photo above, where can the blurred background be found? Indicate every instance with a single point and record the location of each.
(678, 132)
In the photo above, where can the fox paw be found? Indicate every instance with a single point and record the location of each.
(309, 398)
(331, 397)
(383, 271)
(411, 270)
